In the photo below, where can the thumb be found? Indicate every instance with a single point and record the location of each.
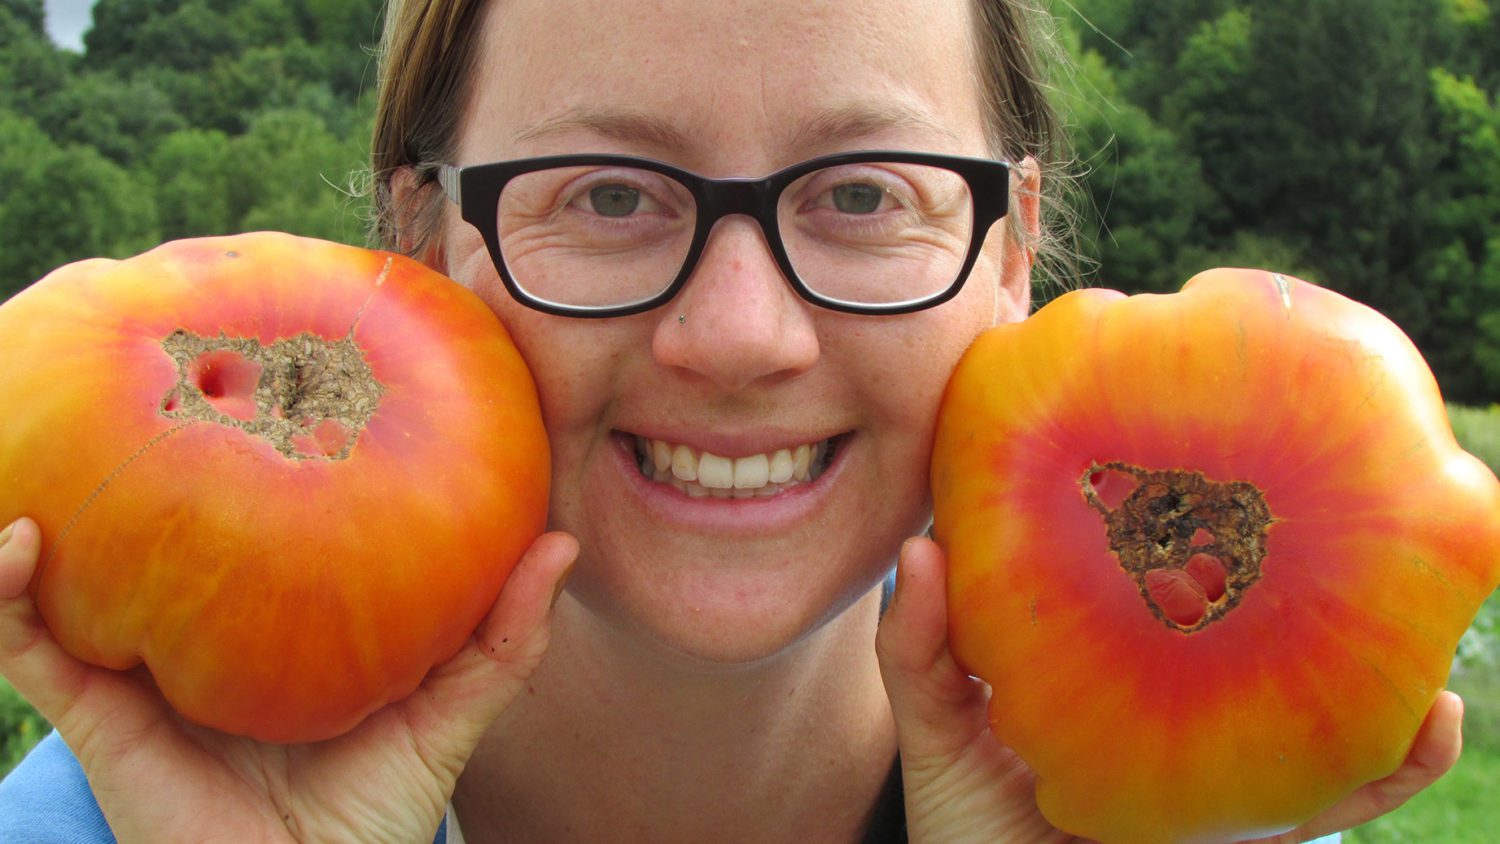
(461, 698)
(939, 710)
(30, 658)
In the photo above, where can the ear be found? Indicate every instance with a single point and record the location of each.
(409, 195)
(1020, 246)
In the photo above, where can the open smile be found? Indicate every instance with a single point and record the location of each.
(703, 474)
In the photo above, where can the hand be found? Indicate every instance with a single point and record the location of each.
(964, 785)
(160, 778)
(1433, 753)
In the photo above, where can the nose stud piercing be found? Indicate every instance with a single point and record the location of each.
(681, 319)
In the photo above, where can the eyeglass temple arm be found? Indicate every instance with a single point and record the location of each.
(447, 176)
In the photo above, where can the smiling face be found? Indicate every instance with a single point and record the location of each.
(739, 465)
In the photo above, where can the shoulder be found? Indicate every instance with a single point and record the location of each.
(47, 799)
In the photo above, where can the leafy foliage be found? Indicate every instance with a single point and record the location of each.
(180, 118)
(1355, 143)
(20, 727)
(1351, 142)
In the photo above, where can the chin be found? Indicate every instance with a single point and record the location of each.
(720, 626)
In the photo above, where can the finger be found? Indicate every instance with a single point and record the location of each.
(20, 543)
(71, 694)
(461, 698)
(30, 658)
(938, 708)
(1434, 752)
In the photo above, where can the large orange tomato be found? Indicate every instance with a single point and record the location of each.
(289, 476)
(1214, 551)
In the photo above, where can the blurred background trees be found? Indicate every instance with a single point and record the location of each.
(1355, 143)
(180, 118)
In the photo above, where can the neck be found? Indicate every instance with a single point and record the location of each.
(615, 741)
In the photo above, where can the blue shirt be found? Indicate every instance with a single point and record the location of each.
(47, 800)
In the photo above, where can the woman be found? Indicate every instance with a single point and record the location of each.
(711, 669)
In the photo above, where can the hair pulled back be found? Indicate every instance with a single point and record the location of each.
(426, 64)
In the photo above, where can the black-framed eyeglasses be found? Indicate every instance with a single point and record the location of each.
(877, 232)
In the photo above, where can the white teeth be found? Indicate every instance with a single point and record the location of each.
(714, 472)
(751, 472)
(801, 461)
(781, 467)
(684, 462)
(661, 455)
(701, 474)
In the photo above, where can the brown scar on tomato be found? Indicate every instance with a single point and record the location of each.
(1192, 545)
(307, 396)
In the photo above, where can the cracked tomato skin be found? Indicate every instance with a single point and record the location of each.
(279, 598)
(1180, 703)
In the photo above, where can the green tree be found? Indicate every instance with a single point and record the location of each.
(31, 15)
(121, 118)
(289, 173)
(184, 35)
(114, 37)
(1461, 263)
(1145, 200)
(1141, 39)
(61, 204)
(191, 172)
(1470, 44)
(1312, 120)
(32, 69)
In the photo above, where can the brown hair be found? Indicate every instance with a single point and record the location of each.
(427, 58)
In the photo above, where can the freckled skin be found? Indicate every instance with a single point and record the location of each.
(737, 354)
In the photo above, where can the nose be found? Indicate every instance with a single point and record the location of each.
(737, 322)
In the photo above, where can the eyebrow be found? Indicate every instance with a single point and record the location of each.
(853, 121)
(616, 124)
(828, 128)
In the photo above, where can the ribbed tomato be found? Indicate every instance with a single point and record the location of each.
(289, 476)
(1214, 550)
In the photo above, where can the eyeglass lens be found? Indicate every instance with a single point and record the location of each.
(870, 233)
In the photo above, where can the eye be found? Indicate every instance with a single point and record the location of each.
(615, 200)
(858, 198)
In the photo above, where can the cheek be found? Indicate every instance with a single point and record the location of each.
(464, 258)
(912, 366)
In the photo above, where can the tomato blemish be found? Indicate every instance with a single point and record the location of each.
(307, 395)
(1192, 545)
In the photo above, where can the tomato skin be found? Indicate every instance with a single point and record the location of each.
(1384, 540)
(283, 599)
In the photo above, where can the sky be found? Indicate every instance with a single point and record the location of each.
(66, 21)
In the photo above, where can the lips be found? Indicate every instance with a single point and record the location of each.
(702, 474)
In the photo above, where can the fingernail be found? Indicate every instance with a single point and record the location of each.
(5, 534)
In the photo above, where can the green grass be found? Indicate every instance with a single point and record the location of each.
(1478, 431)
(20, 727)
(1461, 808)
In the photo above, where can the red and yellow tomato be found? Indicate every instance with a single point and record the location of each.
(288, 476)
(1213, 550)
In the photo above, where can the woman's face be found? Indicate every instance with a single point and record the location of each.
(737, 366)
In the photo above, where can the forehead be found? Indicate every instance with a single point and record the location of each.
(724, 85)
